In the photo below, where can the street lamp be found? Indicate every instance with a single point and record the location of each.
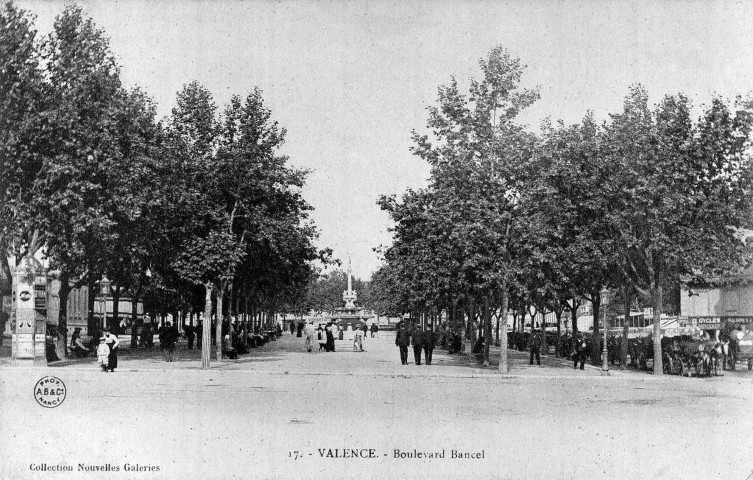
(605, 353)
(104, 291)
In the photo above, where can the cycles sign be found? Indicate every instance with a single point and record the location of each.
(716, 323)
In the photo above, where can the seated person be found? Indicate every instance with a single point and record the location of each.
(251, 340)
(78, 347)
(478, 348)
(456, 344)
(227, 349)
(50, 353)
(238, 345)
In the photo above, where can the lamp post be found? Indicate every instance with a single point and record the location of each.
(104, 291)
(605, 353)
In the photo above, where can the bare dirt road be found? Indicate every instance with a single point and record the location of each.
(362, 415)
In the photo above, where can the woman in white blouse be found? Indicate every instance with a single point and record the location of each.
(112, 342)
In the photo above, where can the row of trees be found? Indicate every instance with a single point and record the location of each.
(179, 212)
(515, 220)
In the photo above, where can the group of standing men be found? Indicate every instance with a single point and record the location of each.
(419, 339)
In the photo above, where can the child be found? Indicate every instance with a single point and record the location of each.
(103, 351)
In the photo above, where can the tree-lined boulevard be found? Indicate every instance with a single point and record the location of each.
(199, 212)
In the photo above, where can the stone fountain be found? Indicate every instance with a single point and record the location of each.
(349, 314)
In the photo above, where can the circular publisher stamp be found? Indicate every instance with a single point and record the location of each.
(49, 392)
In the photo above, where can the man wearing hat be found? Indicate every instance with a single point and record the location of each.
(402, 340)
(167, 338)
(429, 340)
(418, 343)
(535, 347)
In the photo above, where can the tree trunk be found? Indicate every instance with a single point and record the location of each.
(544, 346)
(657, 295)
(558, 346)
(472, 326)
(91, 297)
(595, 348)
(471, 329)
(503, 365)
(134, 320)
(497, 328)
(5, 313)
(574, 319)
(218, 331)
(451, 319)
(115, 322)
(487, 319)
(245, 321)
(625, 327)
(462, 326)
(231, 304)
(206, 331)
(62, 341)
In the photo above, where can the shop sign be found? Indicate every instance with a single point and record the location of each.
(716, 323)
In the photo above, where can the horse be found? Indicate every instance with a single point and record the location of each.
(716, 356)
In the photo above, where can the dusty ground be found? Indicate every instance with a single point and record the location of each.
(246, 419)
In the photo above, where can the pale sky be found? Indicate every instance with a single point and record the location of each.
(351, 79)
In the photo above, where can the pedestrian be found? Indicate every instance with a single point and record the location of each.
(580, 351)
(735, 338)
(299, 329)
(535, 347)
(330, 337)
(417, 339)
(308, 331)
(112, 342)
(365, 330)
(190, 335)
(167, 339)
(144, 333)
(228, 351)
(322, 339)
(402, 340)
(340, 332)
(374, 329)
(103, 352)
(357, 341)
(429, 341)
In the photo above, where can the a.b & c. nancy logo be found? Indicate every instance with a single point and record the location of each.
(49, 392)
(25, 295)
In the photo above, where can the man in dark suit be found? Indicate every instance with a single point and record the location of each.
(402, 340)
(580, 351)
(428, 341)
(167, 338)
(418, 340)
(535, 348)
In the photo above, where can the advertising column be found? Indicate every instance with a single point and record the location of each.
(28, 342)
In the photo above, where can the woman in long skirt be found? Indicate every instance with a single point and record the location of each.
(112, 343)
(330, 339)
